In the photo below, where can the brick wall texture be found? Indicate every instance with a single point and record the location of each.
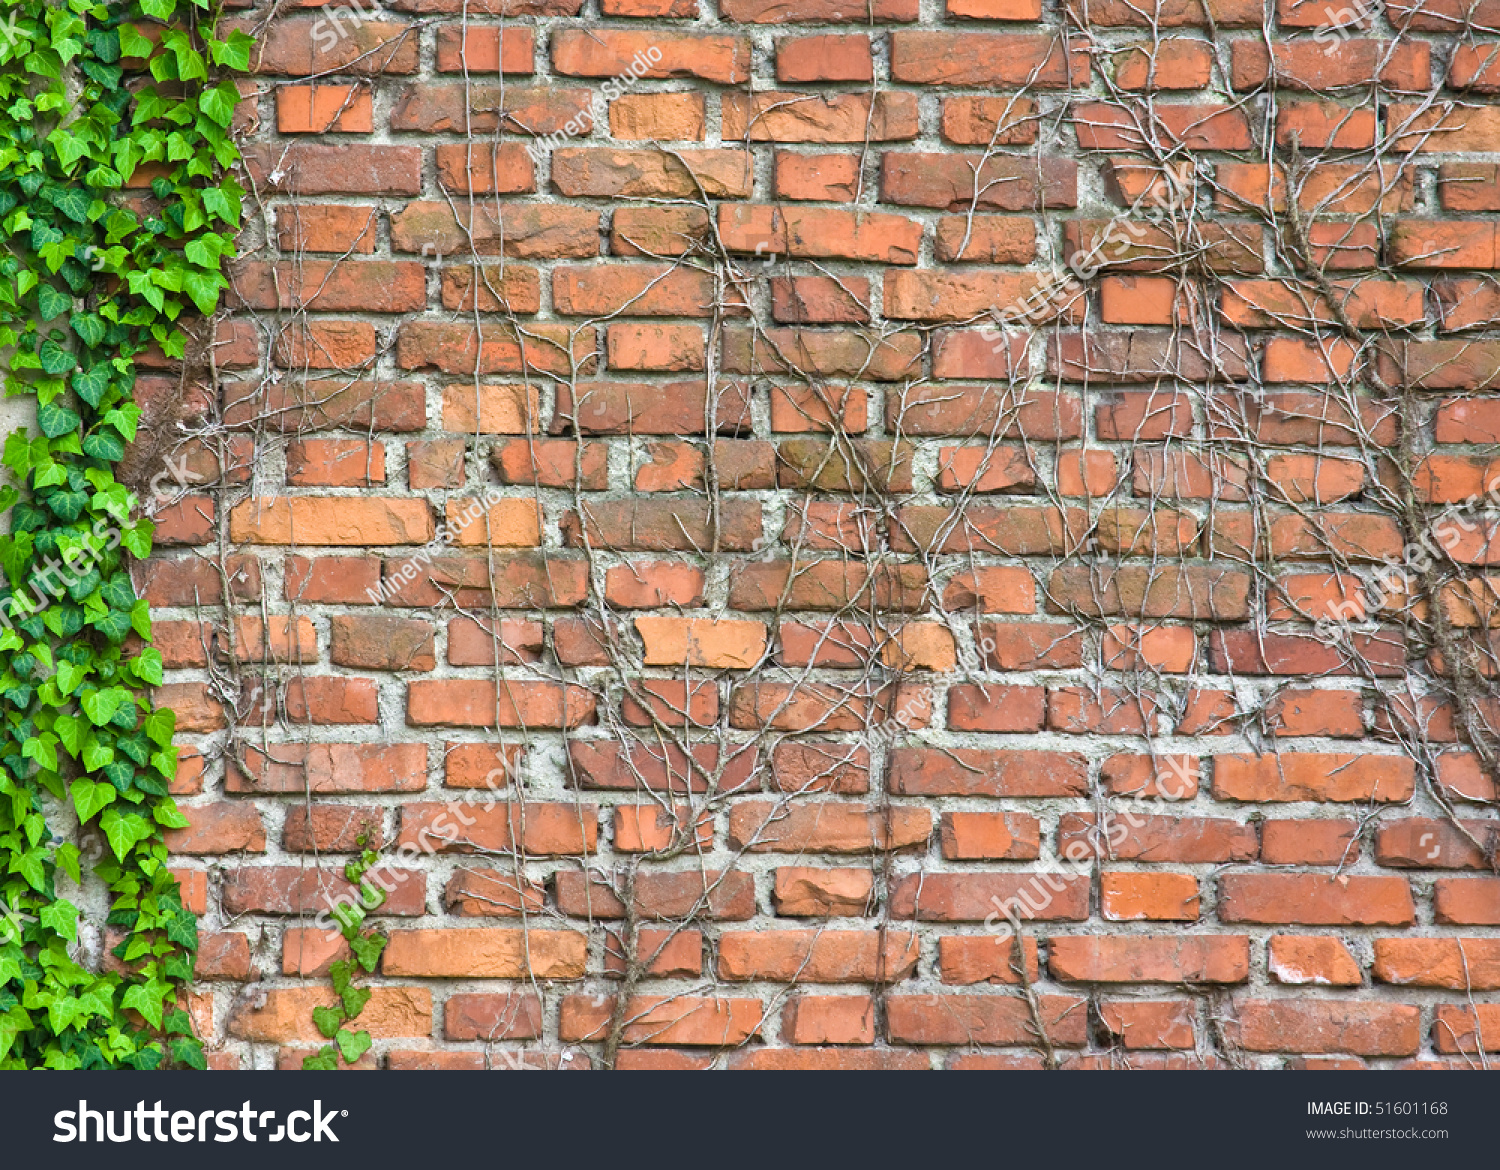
(731, 497)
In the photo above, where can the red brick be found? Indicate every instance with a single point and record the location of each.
(1317, 1026)
(683, 1020)
(806, 891)
(983, 1019)
(1315, 899)
(325, 768)
(1303, 959)
(986, 836)
(665, 953)
(477, 703)
(724, 60)
(829, 177)
(491, 1016)
(1156, 896)
(817, 956)
(1132, 836)
(381, 642)
(286, 1014)
(762, 826)
(786, 116)
(1308, 66)
(306, 168)
(1459, 1029)
(661, 117)
(986, 897)
(724, 895)
(598, 173)
(972, 772)
(973, 707)
(483, 50)
(324, 109)
(291, 889)
(484, 953)
(829, 1019)
(1322, 776)
(218, 828)
(1147, 1024)
(1309, 842)
(1423, 843)
(986, 958)
(289, 46)
(1151, 959)
(1467, 901)
(536, 828)
(948, 182)
(330, 701)
(824, 58)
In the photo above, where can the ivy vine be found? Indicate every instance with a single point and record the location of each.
(97, 266)
(366, 946)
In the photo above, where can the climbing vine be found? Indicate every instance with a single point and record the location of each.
(366, 947)
(116, 213)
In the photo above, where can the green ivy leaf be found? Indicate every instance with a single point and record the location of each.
(60, 916)
(67, 858)
(69, 676)
(352, 1045)
(133, 44)
(146, 998)
(90, 797)
(326, 1059)
(91, 384)
(100, 706)
(115, 625)
(31, 866)
(42, 749)
(169, 816)
(148, 666)
(124, 830)
(354, 1000)
(89, 328)
(72, 730)
(219, 102)
(56, 360)
(204, 288)
(52, 302)
(56, 419)
(367, 949)
(160, 725)
(182, 929)
(189, 1051)
(137, 539)
(102, 445)
(327, 1020)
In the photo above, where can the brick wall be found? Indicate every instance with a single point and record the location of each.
(613, 412)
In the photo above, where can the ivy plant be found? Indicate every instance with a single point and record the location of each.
(366, 946)
(117, 212)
